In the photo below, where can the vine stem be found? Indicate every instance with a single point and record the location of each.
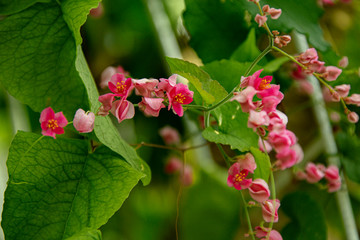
(342, 196)
(247, 216)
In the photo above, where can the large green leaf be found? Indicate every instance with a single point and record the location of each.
(210, 211)
(247, 51)
(58, 189)
(349, 147)
(216, 27)
(87, 234)
(9, 7)
(37, 60)
(232, 128)
(308, 220)
(209, 89)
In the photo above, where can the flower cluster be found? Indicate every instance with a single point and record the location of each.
(54, 123)
(258, 188)
(314, 173)
(266, 120)
(154, 94)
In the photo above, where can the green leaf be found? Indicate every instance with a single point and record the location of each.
(104, 129)
(87, 234)
(232, 128)
(37, 66)
(216, 27)
(208, 89)
(8, 7)
(210, 211)
(263, 166)
(308, 220)
(304, 18)
(349, 147)
(75, 13)
(57, 188)
(247, 51)
(227, 72)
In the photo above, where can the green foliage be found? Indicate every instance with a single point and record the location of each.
(58, 189)
(308, 220)
(232, 128)
(349, 147)
(216, 27)
(38, 55)
(87, 234)
(9, 7)
(247, 51)
(210, 211)
(263, 166)
(304, 18)
(209, 89)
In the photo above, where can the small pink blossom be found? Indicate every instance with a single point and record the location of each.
(332, 173)
(84, 122)
(166, 85)
(263, 232)
(344, 62)
(259, 190)
(107, 101)
(120, 86)
(281, 140)
(52, 123)
(151, 106)
(315, 66)
(270, 103)
(173, 165)
(245, 98)
(282, 41)
(261, 20)
(308, 56)
(123, 109)
(342, 90)
(353, 117)
(239, 171)
(270, 211)
(334, 186)
(353, 99)
(170, 135)
(257, 119)
(273, 12)
(178, 96)
(286, 158)
(299, 152)
(331, 73)
(108, 73)
(145, 87)
(314, 173)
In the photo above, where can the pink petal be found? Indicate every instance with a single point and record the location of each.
(47, 114)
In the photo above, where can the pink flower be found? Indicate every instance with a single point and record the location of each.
(120, 86)
(108, 73)
(344, 62)
(282, 41)
(270, 210)
(245, 98)
(257, 119)
(331, 73)
(353, 99)
(145, 87)
(273, 12)
(263, 232)
(332, 173)
(170, 135)
(84, 122)
(353, 117)
(267, 145)
(178, 96)
(261, 20)
(107, 101)
(314, 173)
(123, 109)
(308, 56)
(270, 103)
(52, 123)
(315, 66)
(173, 165)
(151, 106)
(334, 186)
(166, 85)
(286, 158)
(259, 190)
(342, 90)
(239, 171)
(281, 140)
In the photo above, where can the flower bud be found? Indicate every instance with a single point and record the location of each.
(314, 173)
(259, 190)
(261, 20)
(270, 210)
(84, 122)
(353, 117)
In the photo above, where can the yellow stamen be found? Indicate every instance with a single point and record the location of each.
(121, 86)
(265, 84)
(240, 177)
(52, 123)
(180, 98)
